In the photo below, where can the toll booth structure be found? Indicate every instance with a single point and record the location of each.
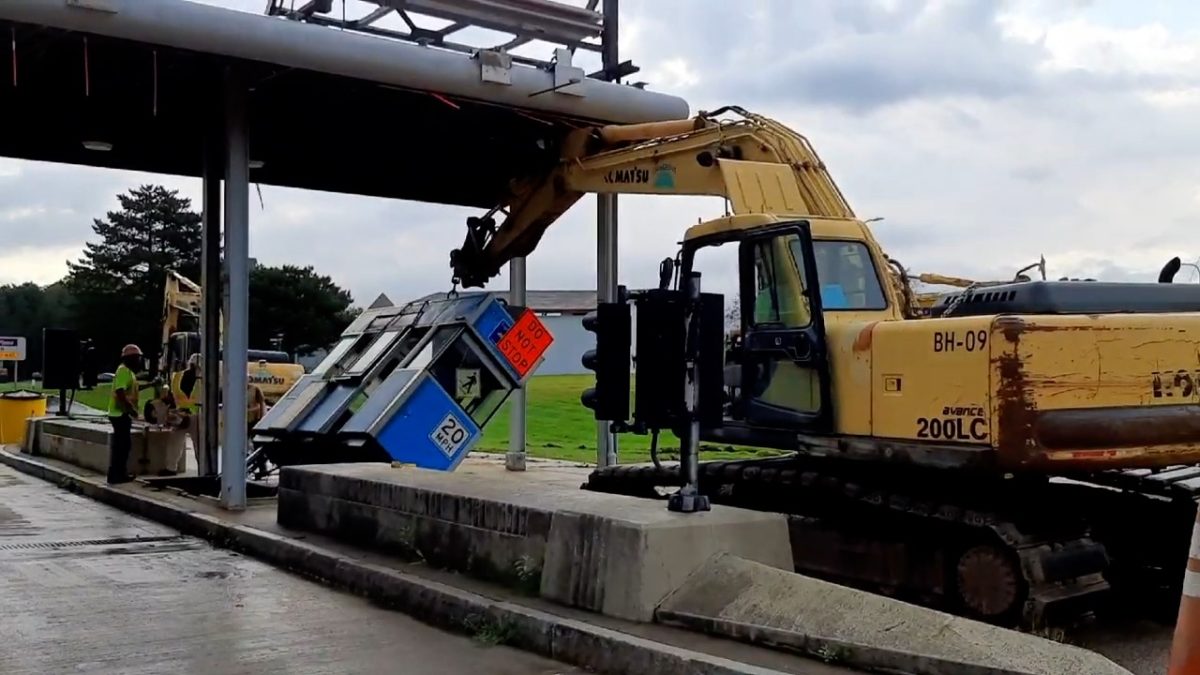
(414, 384)
(192, 89)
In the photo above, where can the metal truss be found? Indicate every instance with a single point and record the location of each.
(568, 27)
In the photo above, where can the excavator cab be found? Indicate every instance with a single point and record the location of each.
(805, 288)
(777, 374)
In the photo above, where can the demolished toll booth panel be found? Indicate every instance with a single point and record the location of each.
(414, 384)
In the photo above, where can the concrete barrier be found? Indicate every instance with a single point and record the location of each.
(610, 554)
(85, 443)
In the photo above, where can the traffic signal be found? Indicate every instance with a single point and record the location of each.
(60, 359)
(661, 369)
(610, 359)
(89, 369)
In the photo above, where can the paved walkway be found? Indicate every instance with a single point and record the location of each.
(86, 588)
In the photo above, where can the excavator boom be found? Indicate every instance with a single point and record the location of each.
(181, 296)
(755, 163)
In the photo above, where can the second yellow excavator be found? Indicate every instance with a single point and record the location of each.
(270, 370)
(1013, 452)
(923, 302)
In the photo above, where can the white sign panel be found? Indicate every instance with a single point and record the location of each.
(12, 349)
(450, 435)
(466, 384)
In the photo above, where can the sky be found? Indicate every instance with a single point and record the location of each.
(985, 133)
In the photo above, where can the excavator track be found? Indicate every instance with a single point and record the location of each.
(1145, 523)
(1173, 482)
(1017, 552)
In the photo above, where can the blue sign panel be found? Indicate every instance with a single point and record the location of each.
(499, 331)
(493, 324)
(494, 321)
(429, 430)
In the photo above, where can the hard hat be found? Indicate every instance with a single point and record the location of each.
(131, 350)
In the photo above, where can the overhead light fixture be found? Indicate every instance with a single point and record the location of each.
(256, 164)
(98, 146)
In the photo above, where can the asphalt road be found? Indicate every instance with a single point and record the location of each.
(85, 588)
(1142, 646)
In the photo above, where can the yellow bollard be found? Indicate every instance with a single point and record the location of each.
(15, 408)
(1185, 646)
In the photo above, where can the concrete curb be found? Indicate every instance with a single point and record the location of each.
(761, 605)
(567, 640)
(876, 659)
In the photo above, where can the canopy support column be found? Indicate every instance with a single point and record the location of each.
(237, 297)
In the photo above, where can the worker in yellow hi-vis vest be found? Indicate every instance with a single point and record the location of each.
(122, 410)
(189, 404)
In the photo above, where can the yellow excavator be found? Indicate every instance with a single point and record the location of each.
(1020, 452)
(270, 370)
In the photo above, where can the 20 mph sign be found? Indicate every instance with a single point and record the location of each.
(12, 349)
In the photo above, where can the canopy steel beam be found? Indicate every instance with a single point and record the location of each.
(237, 297)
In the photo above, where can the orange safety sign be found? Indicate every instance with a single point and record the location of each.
(525, 342)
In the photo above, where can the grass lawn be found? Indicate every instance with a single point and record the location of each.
(557, 425)
(93, 398)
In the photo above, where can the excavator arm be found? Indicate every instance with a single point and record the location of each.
(755, 163)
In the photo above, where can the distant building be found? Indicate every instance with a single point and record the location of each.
(382, 301)
(310, 361)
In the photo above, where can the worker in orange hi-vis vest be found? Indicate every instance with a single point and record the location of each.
(1185, 649)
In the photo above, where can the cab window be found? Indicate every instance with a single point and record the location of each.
(778, 290)
(847, 276)
(178, 351)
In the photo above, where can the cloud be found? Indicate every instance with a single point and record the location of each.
(986, 133)
(853, 56)
(40, 264)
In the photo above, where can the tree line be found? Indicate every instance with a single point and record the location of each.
(113, 294)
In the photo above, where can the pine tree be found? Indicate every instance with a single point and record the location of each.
(303, 310)
(117, 286)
